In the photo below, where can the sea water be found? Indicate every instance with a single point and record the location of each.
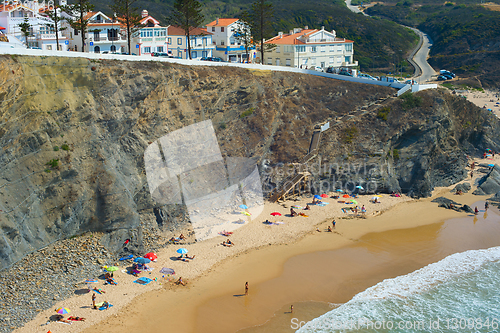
(460, 293)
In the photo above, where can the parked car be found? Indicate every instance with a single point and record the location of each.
(345, 73)
(204, 59)
(443, 71)
(217, 59)
(447, 76)
(330, 70)
(366, 76)
(442, 78)
(316, 68)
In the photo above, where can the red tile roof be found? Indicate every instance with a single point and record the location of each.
(178, 31)
(223, 22)
(287, 39)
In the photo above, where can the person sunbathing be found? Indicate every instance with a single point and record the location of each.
(111, 281)
(99, 290)
(182, 237)
(302, 214)
(174, 240)
(61, 319)
(229, 243)
(105, 305)
(307, 207)
(293, 212)
(188, 257)
(329, 229)
(76, 318)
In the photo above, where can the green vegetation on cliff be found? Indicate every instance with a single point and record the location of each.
(466, 37)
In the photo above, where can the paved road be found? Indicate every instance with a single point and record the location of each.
(424, 72)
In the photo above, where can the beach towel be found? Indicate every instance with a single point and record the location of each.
(322, 204)
(90, 281)
(104, 308)
(97, 291)
(143, 280)
(127, 257)
(62, 322)
(165, 270)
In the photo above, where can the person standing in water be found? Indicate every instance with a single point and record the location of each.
(246, 288)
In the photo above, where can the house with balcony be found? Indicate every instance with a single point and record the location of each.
(306, 48)
(200, 39)
(104, 34)
(228, 44)
(12, 13)
(151, 37)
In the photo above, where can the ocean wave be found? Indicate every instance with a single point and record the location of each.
(455, 286)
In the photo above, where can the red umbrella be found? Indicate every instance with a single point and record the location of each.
(324, 195)
(151, 256)
(276, 214)
(345, 196)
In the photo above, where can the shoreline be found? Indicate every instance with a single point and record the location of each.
(212, 259)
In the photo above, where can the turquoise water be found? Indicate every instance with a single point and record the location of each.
(460, 293)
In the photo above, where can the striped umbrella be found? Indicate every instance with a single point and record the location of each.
(62, 310)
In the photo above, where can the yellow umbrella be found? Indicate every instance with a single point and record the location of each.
(246, 213)
(378, 196)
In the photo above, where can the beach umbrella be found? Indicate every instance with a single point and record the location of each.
(142, 261)
(491, 165)
(243, 206)
(488, 149)
(165, 270)
(2, 28)
(490, 110)
(112, 269)
(246, 213)
(324, 195)
(345, 196)
(297, 207)
(62, 310)
(339, 190)
(151, 256)
(276, 214)
(182, 250)
(360, 187)
(354, 201)
(317, 197)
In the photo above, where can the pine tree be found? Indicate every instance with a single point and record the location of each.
(187, 15)
(54, 16)
(243, 33)
(80, 8)
(128, 16)
(25, 29)
(262, 25)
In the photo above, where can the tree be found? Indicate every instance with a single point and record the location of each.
(187, 15)
(128, 16)
(262, 25)
(80, 8)
(243, 33)
(25, 29)
(54, 16)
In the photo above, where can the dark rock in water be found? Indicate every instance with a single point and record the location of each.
(466, 208)
(490, 183)
(495, 198)
(464, 187)
(445, 201)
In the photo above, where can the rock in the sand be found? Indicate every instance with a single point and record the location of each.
(490, 183)
(464, 187)
(445, 201)
(467, 209)
(495, 198)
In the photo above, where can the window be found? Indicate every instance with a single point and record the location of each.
(179, 54)
(277, 49)
(277, 61)
(332, 48)
(112, 48)
(313, 61)
(288, 62)
(179, 41)
(221, 29)
(348, 59)
(194, 54)
(269, 61)
(147, 49)
(204, 54)
(222, 43)
(313, 48)
(348, 47)
(301, 48)
(159, 49)
(323, 48)
(213, 29)
(169, 40)
(49, 47)
(76, 32)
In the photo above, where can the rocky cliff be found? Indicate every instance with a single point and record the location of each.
(73, 133)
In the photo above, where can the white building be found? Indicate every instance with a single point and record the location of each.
(201, 43)
(104, 34)
(12, 13)
(151, 38)
(309, 48)
(225, 38)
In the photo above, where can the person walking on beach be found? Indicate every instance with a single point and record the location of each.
(486, 205)
(246, 288)
(93, 301)
(333, 223)
(291, 308)
(476, 211)
(471, 174)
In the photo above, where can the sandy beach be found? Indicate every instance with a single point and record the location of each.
(487, 99)
(213, 300)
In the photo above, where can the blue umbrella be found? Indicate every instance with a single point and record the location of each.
(243, 207)
(142, 260)
(491, 165)
(317, 197)
(339, 190)
(182, 251)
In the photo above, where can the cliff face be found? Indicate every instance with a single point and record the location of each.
(73, 133)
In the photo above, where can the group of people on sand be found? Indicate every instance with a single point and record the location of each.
(228, 243)
(185, 257)
(177, 239)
